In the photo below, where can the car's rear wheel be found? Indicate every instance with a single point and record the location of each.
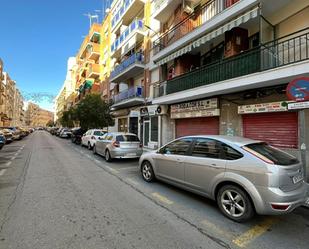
(147, 172)
(89, 146)
(235, 203)
(94, 149)
(108, 157)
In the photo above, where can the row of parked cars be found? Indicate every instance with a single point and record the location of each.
(243, 176)
(11, 133)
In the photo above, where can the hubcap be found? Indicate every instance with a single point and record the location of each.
(233, 203)
(146, 172)
(107, 155)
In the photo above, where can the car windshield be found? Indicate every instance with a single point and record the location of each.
(98, 133)
(277, 156)
(127, 138)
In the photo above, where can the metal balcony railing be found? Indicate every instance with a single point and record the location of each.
(133, 92)
(134, 58)
(121, 12)
(191, 22)
(287, 50)
(135, 25)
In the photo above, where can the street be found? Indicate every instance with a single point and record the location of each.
(54, 194)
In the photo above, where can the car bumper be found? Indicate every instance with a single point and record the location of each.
(275, 196)
(126, 153)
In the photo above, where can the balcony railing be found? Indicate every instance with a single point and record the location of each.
(126, 5)
(133, 92)
(280, 52)
(191, 22)
(93, 71)
(134, 58)
(135, 25)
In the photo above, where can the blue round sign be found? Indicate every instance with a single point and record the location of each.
(298, 89)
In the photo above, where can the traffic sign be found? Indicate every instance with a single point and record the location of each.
(298, 89)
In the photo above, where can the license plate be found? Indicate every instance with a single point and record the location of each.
(297, 178)
(131, 154)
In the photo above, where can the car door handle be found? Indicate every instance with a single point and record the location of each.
(214, 166)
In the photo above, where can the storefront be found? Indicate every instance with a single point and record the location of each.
(151, 120)
(196, 117)
(270, 122)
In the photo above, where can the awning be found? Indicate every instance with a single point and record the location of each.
(209, 36)
(86, 85)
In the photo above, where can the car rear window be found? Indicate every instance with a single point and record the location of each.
(127, 138)
(277, 156)
(98, 133)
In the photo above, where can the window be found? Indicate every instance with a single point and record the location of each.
(98, 133)
(204, 147)
(230, 153)
(154, 129)
(273, 154)
(109, 136)
(178, 147)
(127, 138)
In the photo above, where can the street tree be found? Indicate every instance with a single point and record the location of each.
(93, 112)
(68, 117)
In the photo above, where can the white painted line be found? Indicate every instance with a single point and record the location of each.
(8, 163)
(2, 171)
(97, 161)
(13, 158)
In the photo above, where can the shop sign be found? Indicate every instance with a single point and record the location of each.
(120, 113)
(298, 105)
(196, 114)
(134, 114)
(298, 89)
(194, 106)
(263, 107)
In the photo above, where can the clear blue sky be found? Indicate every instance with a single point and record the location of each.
(38, 36)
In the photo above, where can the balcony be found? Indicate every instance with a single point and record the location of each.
(95, 33)
(93, 51)
(130, 97)
(162, 9)
(288, 50)
(193, 21)
(136, 27)
(127, 12)
(86, 84)
(128, 68)
(93, 71)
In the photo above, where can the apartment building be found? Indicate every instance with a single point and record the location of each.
(67, 94)
(87, 72)
(222, 67)
(127, 88)
(36, 116)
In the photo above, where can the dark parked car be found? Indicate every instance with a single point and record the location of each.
(77, 134)
(2, 141)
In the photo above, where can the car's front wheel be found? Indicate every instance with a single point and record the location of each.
(147, 172)
(89, 146)
(235, 203)
(94, 149)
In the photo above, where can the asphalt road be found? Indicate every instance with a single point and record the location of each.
(54, 194)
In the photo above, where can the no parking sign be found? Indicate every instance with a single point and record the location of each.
(298, 89)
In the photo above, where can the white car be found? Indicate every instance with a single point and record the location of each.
(91, 136)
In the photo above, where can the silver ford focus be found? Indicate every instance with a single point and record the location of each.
(244, 176)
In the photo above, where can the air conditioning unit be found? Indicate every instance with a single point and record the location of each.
(162, 109)
(188, 8)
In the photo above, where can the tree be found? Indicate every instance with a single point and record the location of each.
(68, 117)
(93, 112)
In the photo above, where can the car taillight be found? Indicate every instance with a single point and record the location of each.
(258, 155)
(280, 207)
(116, 143)
(141, 145)
(93, 137)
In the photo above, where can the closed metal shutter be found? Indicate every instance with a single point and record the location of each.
(278, 129)
(197, 126)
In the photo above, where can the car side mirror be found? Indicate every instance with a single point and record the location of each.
(84, 134)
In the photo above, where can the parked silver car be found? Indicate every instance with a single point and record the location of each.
(118, 145)
(244, 176)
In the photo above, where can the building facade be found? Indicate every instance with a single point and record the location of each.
(36, 116)
(222, 67)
